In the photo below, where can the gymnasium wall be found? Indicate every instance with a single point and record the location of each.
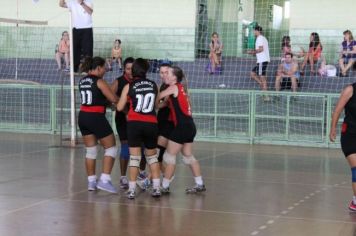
(147, 28)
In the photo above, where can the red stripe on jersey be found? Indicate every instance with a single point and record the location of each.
(183, 101)
(134, 116)
(98, 109)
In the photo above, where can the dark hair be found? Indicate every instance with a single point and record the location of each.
(178, 72)
(64, 33)
(128, 60)
(349, 33)
(258, 28)
(165, 63)
(316, 41)
(140, 68)
(118, 40)
(285, 44)
(92, 63)
(289, 53)
(214, 33)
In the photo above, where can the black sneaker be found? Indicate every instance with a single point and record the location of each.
(196, 189)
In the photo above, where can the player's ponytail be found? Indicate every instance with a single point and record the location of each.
(179, 74)
(92, 63)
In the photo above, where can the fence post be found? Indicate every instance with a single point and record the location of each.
(53, 109)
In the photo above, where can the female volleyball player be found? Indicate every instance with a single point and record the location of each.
(347, 101)
(120, 121)
(95, 94)
(141, 125)
(182, 137)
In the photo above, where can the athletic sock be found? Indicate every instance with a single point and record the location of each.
(92, 178)
(156, 183)
(132, 185)
(165, 183)
(105, 178)
(198, 180)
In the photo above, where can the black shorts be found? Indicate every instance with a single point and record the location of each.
(184, 133)
(165, 128)
(142, 133)
(261, 69)
(94, 123)
(121, 125)
(348, 143)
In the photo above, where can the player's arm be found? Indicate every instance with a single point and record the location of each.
(62, 3)
(105, 89)
(123, 98)
(114, 86)
(171, 90)
(86, 7)
(344, 98)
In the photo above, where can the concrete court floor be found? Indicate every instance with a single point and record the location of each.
(251, 190)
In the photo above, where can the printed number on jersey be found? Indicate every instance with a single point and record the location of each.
(87, 97)
(145, 103)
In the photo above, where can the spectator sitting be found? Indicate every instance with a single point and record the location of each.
(287, 70)
(63, 50)
(348, 53)
(116, 55)
(313, 54)
(216, 48)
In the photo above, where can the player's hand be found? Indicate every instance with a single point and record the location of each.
(251, 52)
(332, 135)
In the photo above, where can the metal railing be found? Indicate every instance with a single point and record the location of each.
(238, 116)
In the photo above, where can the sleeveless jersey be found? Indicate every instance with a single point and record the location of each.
(180, 107)
(163, 113)
(142, 96)
(350, 113)
(92, 99)
(121, 83)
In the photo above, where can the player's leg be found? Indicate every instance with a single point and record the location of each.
(169, 159)
(90, 143)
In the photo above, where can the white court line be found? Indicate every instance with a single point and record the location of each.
(22, 153)
(209, 211)
(39, 203)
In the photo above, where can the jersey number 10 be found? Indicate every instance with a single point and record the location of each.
(145, 103)
(87, 97)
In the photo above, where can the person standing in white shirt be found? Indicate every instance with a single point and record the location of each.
(81, 11)
(261, 51)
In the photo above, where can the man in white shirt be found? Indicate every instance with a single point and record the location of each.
(261, 51)
(81, 11)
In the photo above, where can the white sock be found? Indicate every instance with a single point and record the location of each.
(165, 183)
(198, 180)
(105, 178)
(132, 185)
(156, 183)
(91, 178)
(354, 199)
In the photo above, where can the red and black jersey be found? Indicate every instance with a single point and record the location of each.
(92, 99)
(163, 114)
(349, 125)
(142, 96)
(181, 112)
(121, 83)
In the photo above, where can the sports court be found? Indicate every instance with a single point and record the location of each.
(268, 166)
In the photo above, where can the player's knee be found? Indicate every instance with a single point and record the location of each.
(124, 152)
(91, 152)
(134, 161)
(111, 152)
(188, 160)
(353, 171)
(152, 159)
(169, 158)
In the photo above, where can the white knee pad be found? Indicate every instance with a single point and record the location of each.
(152, 159)
(135, 161)
(169, 159)
(189, 160)
(91, 152)
(111, 152)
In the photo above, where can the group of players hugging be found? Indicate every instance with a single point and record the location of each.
(154, 125)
